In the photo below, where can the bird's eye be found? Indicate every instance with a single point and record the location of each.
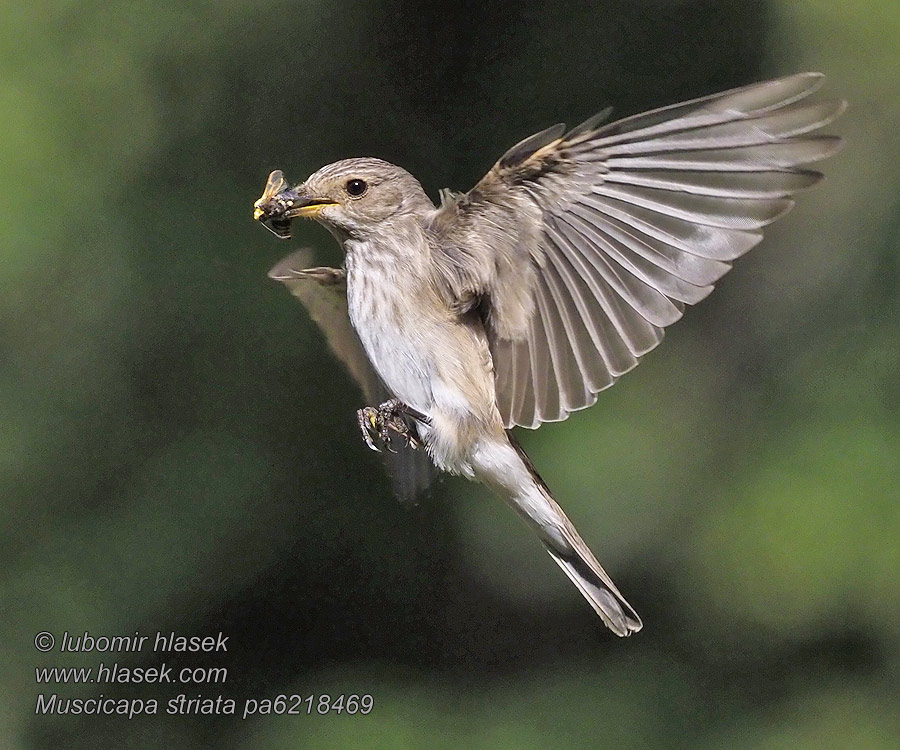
(356, 188)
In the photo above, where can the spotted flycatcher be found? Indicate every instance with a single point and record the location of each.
(518, 302)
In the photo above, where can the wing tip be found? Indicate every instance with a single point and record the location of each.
(588, 126)
(830, 145)
(802, 84)
(815, 76)
(527, 146)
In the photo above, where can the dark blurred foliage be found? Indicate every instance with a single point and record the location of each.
(179, 450)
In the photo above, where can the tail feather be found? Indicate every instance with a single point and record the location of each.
(599, 590)
(507, 468)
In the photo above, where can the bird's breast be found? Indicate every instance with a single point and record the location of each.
(386, 313)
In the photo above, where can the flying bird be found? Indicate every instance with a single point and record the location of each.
(516, 303)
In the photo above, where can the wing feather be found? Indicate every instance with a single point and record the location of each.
(746, 185)
(546, 389)
(323, 292)
(620, 332)
(761, 158)
(673, 288)
(723, 131)
(585, 245)
(591, 364)
(562, 337)
(650, 303)
(525, 404)
(700, 272)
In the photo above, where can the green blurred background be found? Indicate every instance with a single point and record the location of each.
(178, 447)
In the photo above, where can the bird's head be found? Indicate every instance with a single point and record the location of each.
(353, 196)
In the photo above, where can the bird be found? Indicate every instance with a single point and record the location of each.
(516, 303)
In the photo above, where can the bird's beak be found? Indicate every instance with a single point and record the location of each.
(280, 203)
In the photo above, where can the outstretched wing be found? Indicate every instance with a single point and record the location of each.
(579, 247)
(323, 292)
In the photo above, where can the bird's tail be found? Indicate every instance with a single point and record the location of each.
(508, 470)
(597, 587)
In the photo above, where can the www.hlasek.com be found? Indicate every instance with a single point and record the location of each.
(106, 673)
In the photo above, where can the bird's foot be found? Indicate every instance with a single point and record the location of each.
(324, 275)
(390, 417)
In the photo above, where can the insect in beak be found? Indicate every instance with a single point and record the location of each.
(280, 204)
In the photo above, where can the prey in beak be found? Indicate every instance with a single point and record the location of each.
(280, 203)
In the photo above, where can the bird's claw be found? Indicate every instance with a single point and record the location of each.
(323, 275)
(379, 422)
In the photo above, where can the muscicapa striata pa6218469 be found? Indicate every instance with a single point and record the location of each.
(518, 302)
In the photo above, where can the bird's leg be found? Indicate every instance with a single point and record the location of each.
(389, 417)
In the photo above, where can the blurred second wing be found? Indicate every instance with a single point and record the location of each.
(323, 292)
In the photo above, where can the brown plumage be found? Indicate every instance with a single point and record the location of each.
(517, 302)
